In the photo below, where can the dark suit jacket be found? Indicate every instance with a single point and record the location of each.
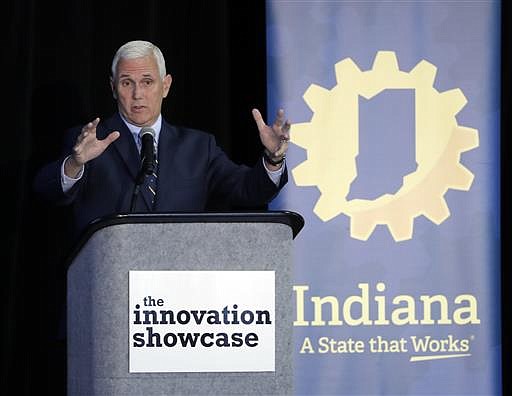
(192, 172)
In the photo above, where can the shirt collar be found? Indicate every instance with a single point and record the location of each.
(134, 129)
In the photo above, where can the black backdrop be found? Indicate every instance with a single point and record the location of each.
(56, 59)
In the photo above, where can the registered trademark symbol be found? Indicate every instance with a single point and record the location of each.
(472, 337)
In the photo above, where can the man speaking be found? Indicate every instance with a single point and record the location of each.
(136, 161)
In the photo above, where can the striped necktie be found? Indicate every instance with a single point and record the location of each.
(149, 186)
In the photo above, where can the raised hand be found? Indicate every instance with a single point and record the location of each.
(274, 138)
(87, 147)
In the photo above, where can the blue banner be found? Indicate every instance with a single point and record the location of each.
(394, 162)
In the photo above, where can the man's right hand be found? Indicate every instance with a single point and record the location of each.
(87, 147)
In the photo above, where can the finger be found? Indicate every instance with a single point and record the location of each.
(88, 129)
(259, 119)
(280, 118)
(92, 125)
(282, 149)
(283, 132)
(77, 152)
(111, 138)
(286, 130)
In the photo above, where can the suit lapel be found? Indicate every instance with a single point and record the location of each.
(167, 146)
(124, 145)
(126, 148)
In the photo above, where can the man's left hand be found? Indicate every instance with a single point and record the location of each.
(274, 138)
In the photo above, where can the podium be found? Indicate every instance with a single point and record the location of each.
(107, 331)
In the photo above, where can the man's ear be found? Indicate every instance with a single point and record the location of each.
(167, 84)
(113, 88)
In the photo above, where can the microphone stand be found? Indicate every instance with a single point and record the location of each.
(147, 163)
(136, 188)
(147, 168)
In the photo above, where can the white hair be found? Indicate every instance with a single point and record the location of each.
(138, 49)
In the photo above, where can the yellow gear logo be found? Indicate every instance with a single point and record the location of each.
(331, 140)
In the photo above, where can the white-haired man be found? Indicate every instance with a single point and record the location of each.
(101, 160)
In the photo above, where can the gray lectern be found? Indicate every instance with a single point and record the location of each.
(99, 316)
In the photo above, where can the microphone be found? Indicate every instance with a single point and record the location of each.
(147, 151)
(147, 162)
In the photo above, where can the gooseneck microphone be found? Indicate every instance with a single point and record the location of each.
(147, 161)
(147, 151)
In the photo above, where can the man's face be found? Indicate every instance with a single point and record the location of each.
(139, 90)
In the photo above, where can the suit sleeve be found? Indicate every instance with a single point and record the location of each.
(47, 181)
(240, 185)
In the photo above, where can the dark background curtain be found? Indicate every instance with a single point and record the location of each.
(58, 57)
(56, 62)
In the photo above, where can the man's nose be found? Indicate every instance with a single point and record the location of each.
(137, 91)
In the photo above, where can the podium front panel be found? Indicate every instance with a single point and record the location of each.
(98, 303)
